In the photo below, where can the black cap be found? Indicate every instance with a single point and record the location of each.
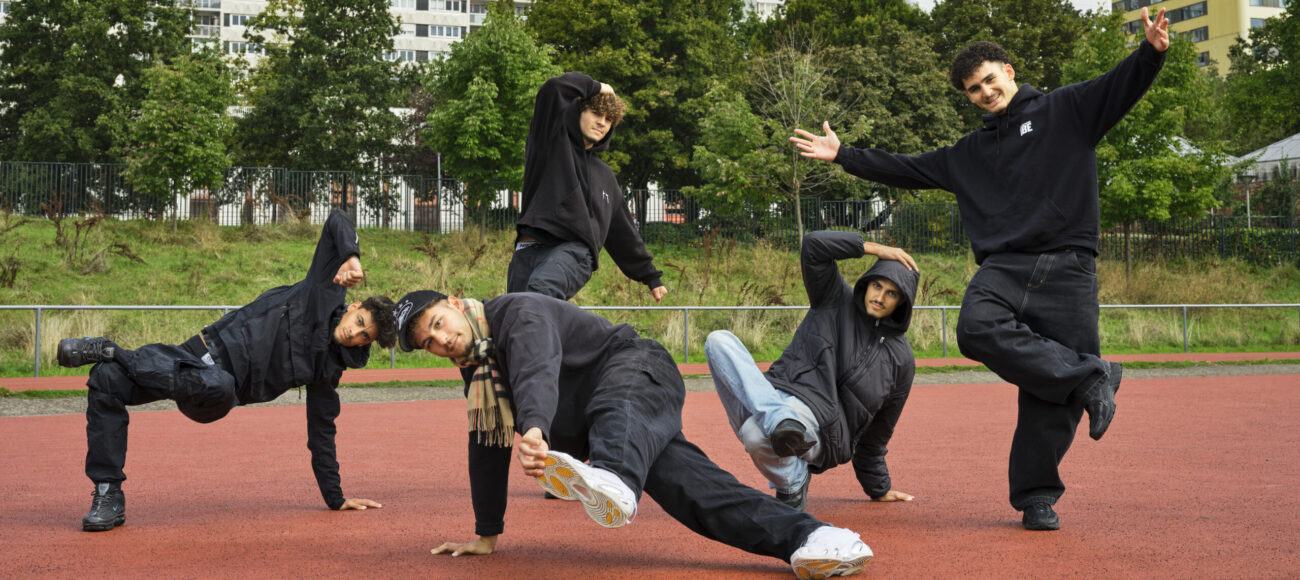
(408, 309)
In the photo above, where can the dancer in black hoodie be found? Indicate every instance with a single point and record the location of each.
(571, 203)
(837, 391)
(573, 385)
(1026, 185)
(289, 336)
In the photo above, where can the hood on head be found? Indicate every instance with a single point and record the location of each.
(572, 124)
(895, 272)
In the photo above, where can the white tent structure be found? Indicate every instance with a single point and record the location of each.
(1270, 158)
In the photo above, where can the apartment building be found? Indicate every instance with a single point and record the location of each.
(1214, 25)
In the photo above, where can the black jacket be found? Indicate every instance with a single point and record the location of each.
(543, 345)
(284, 339)
(854, 371)
(1027, 181)
(569, 193)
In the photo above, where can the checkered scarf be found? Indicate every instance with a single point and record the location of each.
(490, 413)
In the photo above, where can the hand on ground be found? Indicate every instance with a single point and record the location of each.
(483, 545)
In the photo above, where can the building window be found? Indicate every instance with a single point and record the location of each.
(446, 31)
(1257, 22)
(4, 8)
(447, 6)
(1269, 3)
(400, 55)
(422, 30)
(1201, 34)
(238, 19)
(234, 47)
(1126, 5)
(1203, 59)
(403, 4)
(1186, 12)
(205, 4)
(408, 30)
(1133, 27)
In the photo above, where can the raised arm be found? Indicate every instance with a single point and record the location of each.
(336, 258)
(925, 171)
(1102, 102)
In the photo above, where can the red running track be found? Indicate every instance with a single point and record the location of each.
(1196, 479)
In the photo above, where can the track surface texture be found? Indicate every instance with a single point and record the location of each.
(1195, 479)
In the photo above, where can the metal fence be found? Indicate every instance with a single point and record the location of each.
(686, 318)
(262, 195)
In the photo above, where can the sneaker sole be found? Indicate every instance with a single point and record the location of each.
(85, 527)
(818, 568)
(65, 357)
(563, 478)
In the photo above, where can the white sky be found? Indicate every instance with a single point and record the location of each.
(926, 5)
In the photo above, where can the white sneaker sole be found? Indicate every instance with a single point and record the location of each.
(566, 478)
(819, 568)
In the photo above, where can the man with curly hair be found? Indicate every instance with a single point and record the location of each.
(571, 203)
(1026, 186)
(289, 336)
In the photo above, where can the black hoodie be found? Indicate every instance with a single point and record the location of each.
(284, 339)
(1027, 181)
(569, 193)
(853, 371)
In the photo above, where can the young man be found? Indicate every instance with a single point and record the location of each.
(837, 391)
(576, 386)
(1026, 185)
(571, 203)
(289, 336)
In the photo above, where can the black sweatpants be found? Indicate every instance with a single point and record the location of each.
(630, 422)
(1032, 319)
(151, 373)
(558, 271)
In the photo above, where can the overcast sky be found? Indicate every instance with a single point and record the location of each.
(926, 5)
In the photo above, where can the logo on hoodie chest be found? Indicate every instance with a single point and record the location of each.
(1026, 127)
(605, 195)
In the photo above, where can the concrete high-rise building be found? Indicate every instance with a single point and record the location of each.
(1214, 25)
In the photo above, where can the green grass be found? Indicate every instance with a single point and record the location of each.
(197, 263)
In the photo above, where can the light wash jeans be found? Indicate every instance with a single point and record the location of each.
(754, 408)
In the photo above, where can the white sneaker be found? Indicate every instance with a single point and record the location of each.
(830, 551)
(608, 500)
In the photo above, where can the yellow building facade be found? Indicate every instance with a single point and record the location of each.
(1214, 25)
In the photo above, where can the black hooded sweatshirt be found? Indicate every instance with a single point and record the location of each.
(284, 339)
(1027, 181)
(570, 194)
(854, 371)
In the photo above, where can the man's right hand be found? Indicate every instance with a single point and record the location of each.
(483, 545)
(532, 452)
(825, 147)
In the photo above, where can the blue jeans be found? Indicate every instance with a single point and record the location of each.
(1032, 319)
(754, 408)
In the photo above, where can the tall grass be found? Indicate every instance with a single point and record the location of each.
(197, 263)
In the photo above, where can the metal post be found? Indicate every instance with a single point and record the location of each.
(686, 335)
(944, 331)
(1184, 328)
(392, 360)
(38, 342)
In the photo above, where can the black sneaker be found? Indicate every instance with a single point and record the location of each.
(107, 509)
(1099, 401)
(1040, 516)
(797, 499)
(790, 439)
(75, 352)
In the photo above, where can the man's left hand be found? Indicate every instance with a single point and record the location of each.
(1158, 31)
(359, 504)
(893, 495)
(658, 292)
(350, 273)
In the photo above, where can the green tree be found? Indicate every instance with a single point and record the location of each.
(176, 142)
(1146, 167)
(70, 70)
(1040, 36)
(744, 154)
(661, 57)
(1264, 83)
(321, 97)
(846, 23)
(483, 103)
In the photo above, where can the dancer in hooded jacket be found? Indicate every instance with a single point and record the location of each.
(837, 391)
(290, 336)
(571, 203)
